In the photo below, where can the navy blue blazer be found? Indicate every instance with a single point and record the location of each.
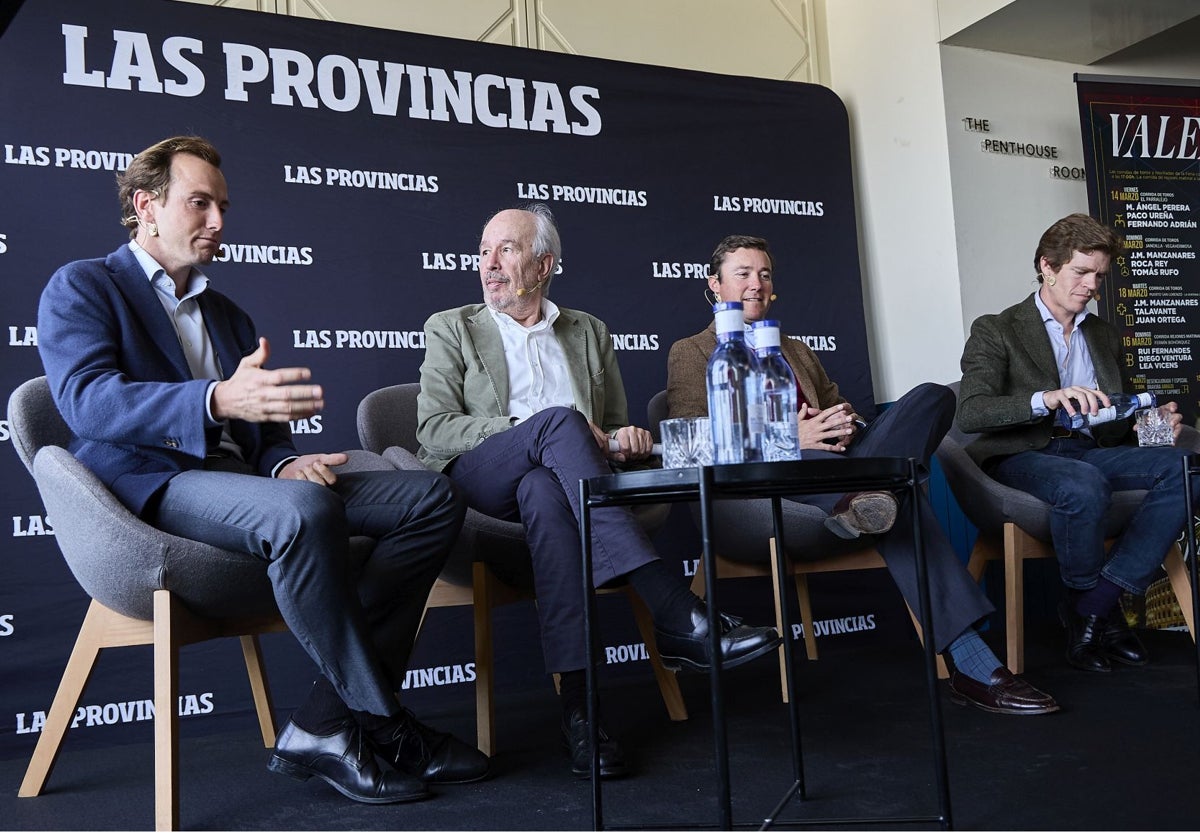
(121, 381)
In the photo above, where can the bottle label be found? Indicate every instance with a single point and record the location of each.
(754, 418)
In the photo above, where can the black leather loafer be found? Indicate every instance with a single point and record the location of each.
(740, 643)
(345, 761)
(1085, 640)
(1121, 643)
(575, 739)
(1003, 694)
(436, 758)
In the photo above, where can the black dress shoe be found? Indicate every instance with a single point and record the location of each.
(1121, 643)
(436, 758)
(1004, 694)
(1085, 640)
(740, 643)
(575, 739)
(346, 762)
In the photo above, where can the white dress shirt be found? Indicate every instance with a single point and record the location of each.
(537, 367)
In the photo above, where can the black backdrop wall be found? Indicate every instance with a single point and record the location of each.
(362, 164)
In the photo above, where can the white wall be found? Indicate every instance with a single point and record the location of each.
(1003, 203)
(883, 62)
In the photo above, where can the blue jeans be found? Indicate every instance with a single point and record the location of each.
(1077, 479)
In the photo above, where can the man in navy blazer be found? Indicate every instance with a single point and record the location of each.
(163, 382)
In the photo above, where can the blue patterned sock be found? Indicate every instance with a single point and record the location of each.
(972, 657)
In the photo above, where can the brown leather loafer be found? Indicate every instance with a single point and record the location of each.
(1004, 694)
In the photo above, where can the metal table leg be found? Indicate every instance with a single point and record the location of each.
(720, 738)
(935, 704)
(781, 576)
(589, 612)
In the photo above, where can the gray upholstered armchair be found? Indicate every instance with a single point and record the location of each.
(1015, 526)
(489, 565)
(147, 587)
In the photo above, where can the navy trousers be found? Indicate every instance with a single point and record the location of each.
(530, 474)
(912, 428)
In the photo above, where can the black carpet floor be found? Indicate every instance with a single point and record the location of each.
(1123, 754)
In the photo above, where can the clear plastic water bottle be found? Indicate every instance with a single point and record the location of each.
(781, 432)
(734, 391)
(1123, 405)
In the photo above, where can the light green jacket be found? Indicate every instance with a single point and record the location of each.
(464, 379)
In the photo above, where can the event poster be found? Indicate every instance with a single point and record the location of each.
(1142, 148)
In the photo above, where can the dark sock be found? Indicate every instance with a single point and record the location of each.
(323, 712)
(1099, 600)
(669, 600)
(572, 689)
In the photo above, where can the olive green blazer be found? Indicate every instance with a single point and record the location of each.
(464, 379)
(1008, 357)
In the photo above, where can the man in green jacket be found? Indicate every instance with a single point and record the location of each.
(1019, 367)
(520, 399)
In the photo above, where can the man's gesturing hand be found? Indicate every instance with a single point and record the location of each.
(315, 468)
(259, 395)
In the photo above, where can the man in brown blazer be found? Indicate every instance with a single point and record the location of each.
(742, 269)
(1019, 367)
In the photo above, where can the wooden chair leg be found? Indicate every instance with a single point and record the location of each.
(977, 563)
(259, 689)
(779, 628)
(698, 583)
(806, 616)
(88, 645)
(166, 718)
(485, 713)
(1014, 597)
(1181, 585)
(668, 685)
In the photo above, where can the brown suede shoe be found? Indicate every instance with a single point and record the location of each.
(1004, 694)
(869, 512)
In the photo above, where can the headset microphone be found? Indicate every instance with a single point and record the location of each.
(523, 292)
(773, 297)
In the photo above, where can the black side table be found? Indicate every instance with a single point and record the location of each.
(757, 481)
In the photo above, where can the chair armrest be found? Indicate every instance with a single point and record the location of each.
(401, 459)
(363, 461)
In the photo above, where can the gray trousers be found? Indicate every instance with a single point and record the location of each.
(357, 623)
